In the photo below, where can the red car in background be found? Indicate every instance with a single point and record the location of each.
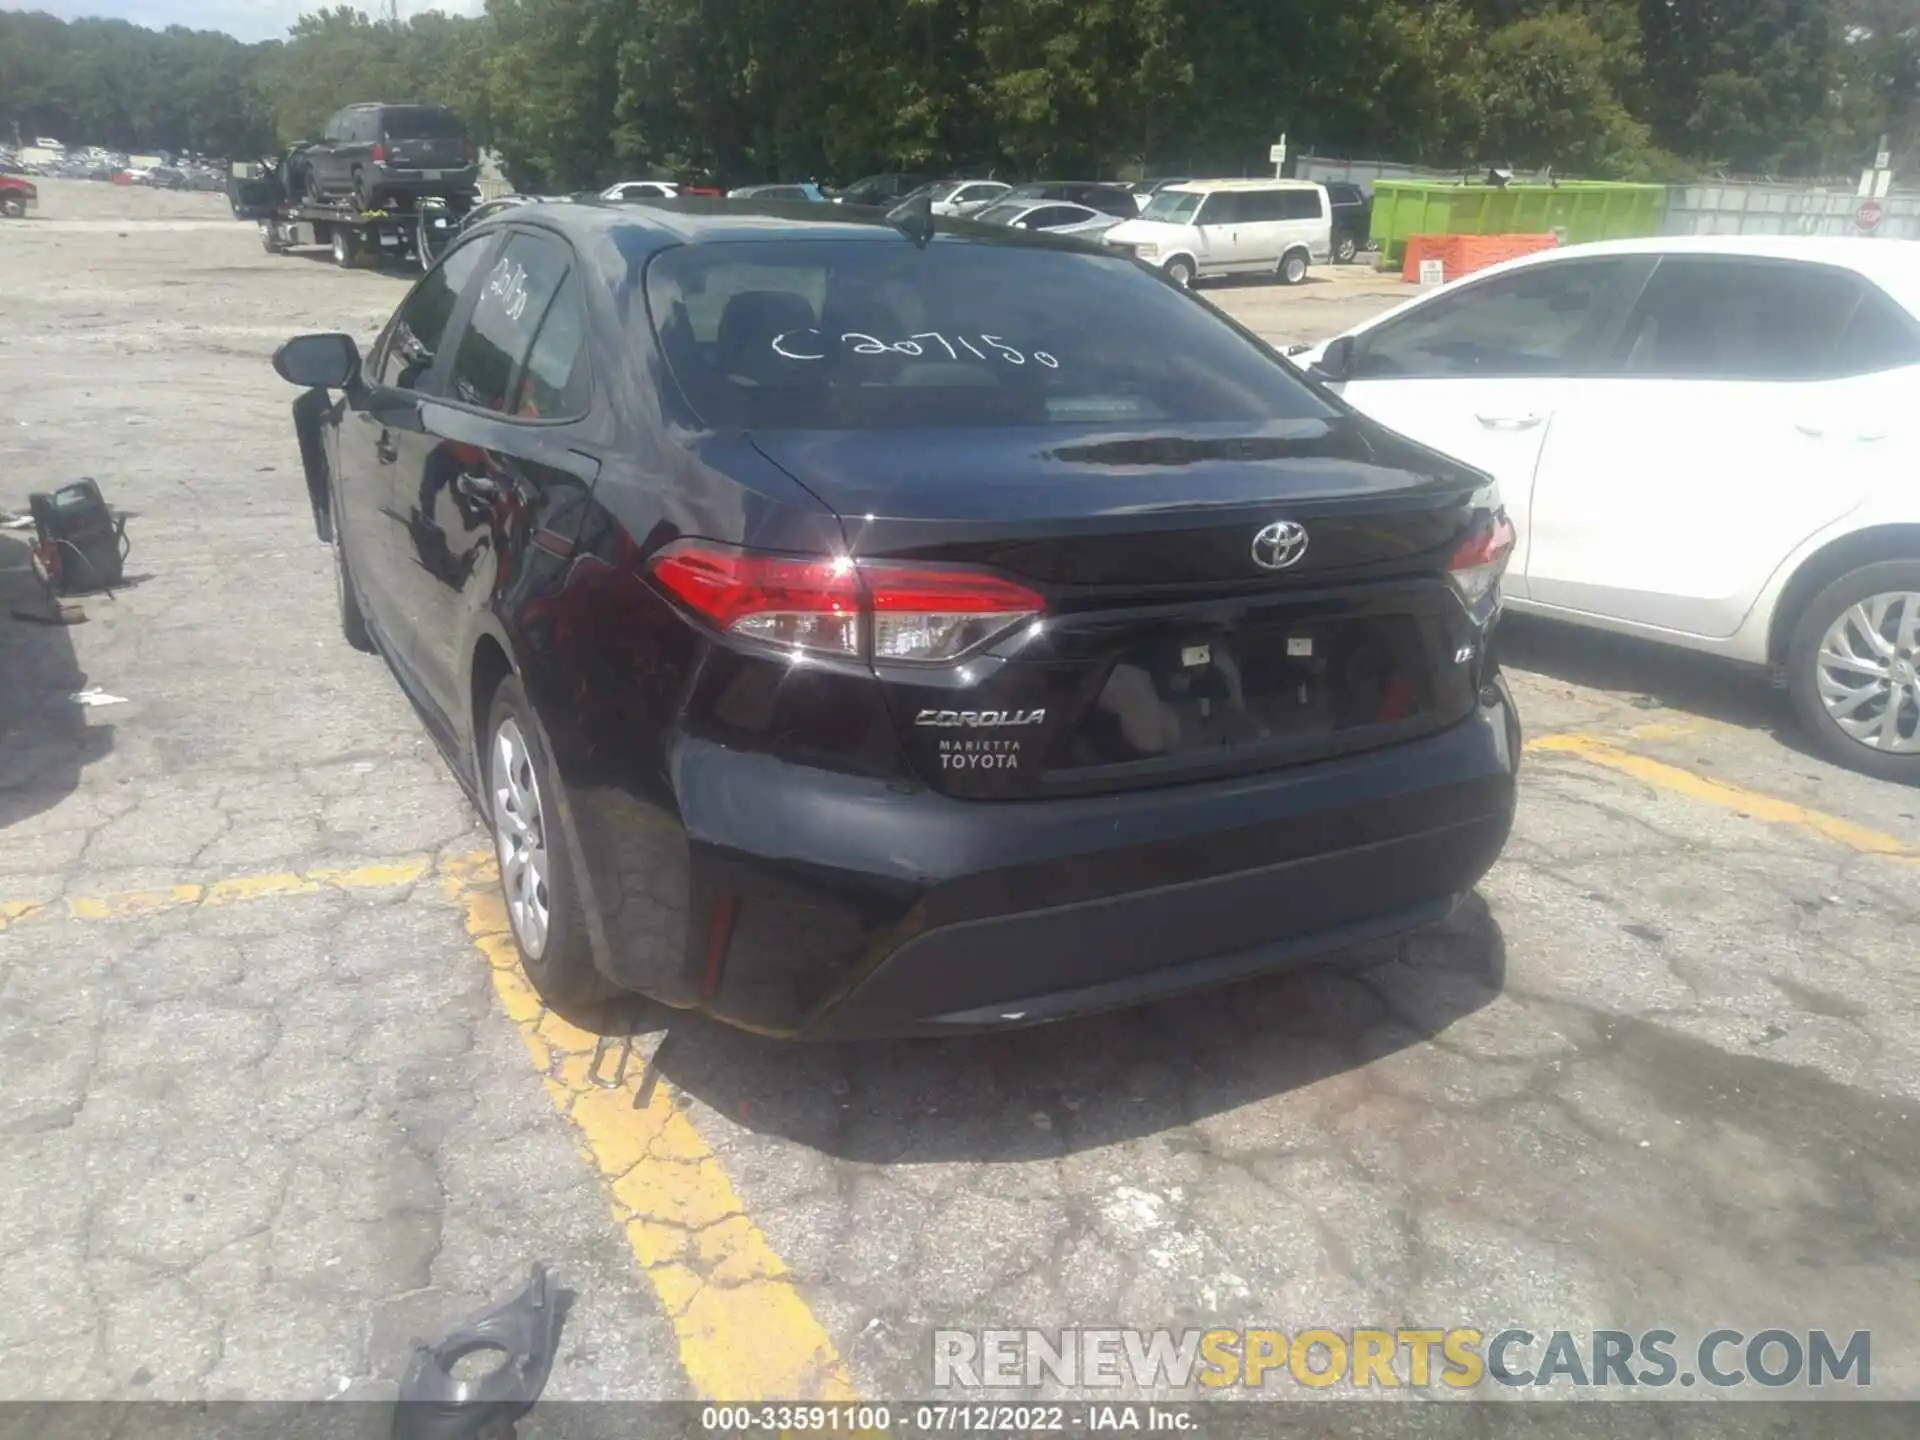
(17, 196)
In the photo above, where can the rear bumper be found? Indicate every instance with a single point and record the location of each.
(388, 177)
(833, 907)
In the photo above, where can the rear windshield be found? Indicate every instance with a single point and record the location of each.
(421, 123)
(1004, 213)
(1174, 206)
(874, 335)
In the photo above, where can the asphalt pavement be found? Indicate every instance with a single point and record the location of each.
(274, 1101)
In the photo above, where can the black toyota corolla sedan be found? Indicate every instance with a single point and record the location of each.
(848, 632)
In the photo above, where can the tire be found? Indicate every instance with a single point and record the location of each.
(1181, 272)
(522, 793)
(362, 202)
(1293, 268)
(345, 252)
(353, 620)
(1820, 690)
(13, 207)
(1345, 249)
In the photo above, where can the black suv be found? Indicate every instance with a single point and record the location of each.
(1352, 220)
(379, 154)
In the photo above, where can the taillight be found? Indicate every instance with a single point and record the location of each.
(469, 151)
(1478, 561)
(379, 153)
(892, 614)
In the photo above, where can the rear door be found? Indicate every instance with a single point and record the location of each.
(1745, 407)
(1481, 372)
(355, 151)
(322, 161)
(494, 462)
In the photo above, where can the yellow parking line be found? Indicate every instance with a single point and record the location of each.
(130, 904)
(743, 1331)
(1751, 803)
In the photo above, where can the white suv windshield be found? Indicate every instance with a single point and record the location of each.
(1174, 206)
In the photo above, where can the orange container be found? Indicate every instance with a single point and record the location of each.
(1463, 254)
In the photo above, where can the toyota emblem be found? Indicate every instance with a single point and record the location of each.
(1279, 545)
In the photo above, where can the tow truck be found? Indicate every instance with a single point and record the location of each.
(414, 231)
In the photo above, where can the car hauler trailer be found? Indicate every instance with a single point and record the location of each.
(414, 231)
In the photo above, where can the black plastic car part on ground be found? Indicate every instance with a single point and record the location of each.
(847, 636)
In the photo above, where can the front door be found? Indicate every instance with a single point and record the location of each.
(1735, 418)
(1481, 373)
(384, 429)
(494, 462)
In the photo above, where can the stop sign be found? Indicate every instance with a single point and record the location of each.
(1868, 215)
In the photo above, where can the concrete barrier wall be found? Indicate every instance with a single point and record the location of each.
(1730, 208)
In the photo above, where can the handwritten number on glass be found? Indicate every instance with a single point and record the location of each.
(811, 344)
(507, 283)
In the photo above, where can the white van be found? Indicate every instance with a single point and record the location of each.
(1231, 227)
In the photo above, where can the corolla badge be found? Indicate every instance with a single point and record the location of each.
(1279, 545)
(979, 719)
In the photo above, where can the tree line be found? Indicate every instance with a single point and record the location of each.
(574, 92)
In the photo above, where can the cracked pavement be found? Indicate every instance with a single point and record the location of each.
(266, 1115)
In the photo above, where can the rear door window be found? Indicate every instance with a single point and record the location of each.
(513, 299)
(871, 335)
(1881, 335)
(554, 383)
(1258, 205)
(1299, 204)
(1735, 318)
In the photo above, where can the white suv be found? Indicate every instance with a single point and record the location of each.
(1712, 442)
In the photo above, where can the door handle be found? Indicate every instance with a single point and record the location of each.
(1811, 431)
(477, 487)
(1510, 422)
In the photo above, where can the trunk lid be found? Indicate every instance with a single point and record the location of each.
(1168, 651)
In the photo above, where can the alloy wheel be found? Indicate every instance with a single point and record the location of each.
(520, 836)
(1868, 672)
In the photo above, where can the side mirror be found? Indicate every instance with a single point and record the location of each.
(319, 362)
(1337, 359)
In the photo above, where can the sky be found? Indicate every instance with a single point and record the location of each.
(247, 19)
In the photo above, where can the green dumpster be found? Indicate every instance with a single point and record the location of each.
(1575, 210)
